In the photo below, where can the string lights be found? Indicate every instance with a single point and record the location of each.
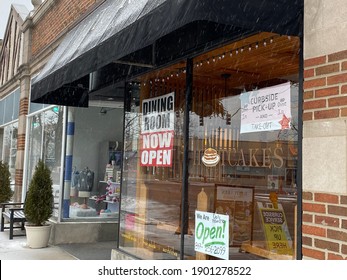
(214, 59)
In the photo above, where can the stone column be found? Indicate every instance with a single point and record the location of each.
(24, 81)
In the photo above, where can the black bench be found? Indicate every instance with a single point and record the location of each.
(14, 213)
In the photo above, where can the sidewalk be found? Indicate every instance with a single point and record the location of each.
(17, 249)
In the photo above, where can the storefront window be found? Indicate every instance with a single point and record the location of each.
(9, 110)
(243, 148)
(9, 148)
(93, 158)
(45, 142)
(152, 174)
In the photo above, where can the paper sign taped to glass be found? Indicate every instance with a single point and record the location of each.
(212, 234)
(266, 109)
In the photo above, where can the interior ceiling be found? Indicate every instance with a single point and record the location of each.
(253, 63)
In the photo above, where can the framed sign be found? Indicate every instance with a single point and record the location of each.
(236, 202)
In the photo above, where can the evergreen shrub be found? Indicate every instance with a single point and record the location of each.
(38, 206)
(5, 183)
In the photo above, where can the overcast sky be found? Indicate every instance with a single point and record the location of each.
(5, 10)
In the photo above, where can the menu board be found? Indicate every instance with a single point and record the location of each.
(237, 203)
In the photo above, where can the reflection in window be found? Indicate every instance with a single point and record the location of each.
(239, 167)
(45, 142)
(152, 170)
(9, 148)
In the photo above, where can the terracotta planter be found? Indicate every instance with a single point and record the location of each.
(38, 236)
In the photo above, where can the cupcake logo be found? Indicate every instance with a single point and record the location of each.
(210, 157)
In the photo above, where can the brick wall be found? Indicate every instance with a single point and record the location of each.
(325, 86)
(59, 17)
(324, 226)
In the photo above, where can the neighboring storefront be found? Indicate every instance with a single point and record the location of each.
(12, 101)
(9, 131)
(192, 127)
(87, 186)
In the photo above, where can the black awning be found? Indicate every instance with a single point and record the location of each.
(118, 28)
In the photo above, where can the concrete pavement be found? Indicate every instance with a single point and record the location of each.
(17, 249)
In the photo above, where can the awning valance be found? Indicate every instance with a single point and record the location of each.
(118, 28)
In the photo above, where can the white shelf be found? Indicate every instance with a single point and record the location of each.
(110, 201)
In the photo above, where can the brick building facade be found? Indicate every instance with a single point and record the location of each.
(55, 19)
(324, 222)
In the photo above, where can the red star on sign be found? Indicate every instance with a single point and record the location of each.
(284, 122)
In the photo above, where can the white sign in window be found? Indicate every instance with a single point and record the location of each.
(266, 109)
(212, 234)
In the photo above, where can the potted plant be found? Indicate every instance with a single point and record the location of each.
(38, 207)
(5, 183)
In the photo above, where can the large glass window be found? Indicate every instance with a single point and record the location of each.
(153, 156)
(9, 107)
(93, 157)
(45, 142)
(9, 110)
(9, 148)
(243, 145)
